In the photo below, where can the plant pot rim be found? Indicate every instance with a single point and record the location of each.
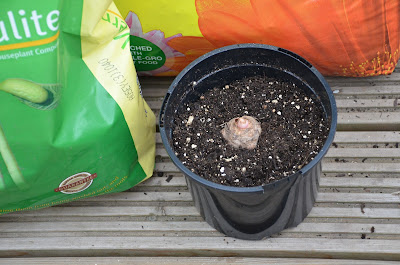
(273, 185)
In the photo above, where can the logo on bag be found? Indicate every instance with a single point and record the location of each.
(24, 29)
(76, 183)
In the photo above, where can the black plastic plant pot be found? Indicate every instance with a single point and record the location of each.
(251, 213)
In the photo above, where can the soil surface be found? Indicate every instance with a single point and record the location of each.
(293, 125)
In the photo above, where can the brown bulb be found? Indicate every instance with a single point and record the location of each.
(242, 132)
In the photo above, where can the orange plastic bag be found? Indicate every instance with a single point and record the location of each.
(339, 37)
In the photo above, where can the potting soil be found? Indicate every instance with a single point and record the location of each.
(73, 123)
(293, 124)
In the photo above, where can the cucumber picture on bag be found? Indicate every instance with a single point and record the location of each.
(40, 96)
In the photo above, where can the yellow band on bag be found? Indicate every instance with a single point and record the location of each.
(105, 50)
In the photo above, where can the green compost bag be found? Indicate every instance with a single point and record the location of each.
(73, 123)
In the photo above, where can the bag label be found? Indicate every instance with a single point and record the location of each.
(146, 55)
(76, 183)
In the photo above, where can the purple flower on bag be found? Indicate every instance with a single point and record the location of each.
(157, 37)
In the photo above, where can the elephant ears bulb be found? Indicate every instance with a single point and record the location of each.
(242, 132)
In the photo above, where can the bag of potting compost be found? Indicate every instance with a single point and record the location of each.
(73, 123)
(339, 37)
